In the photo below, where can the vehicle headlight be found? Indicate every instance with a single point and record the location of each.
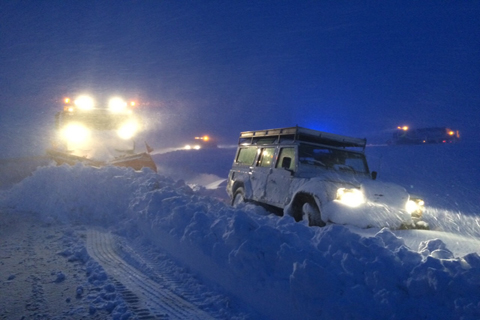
(415, 206)
(84, 102)
(128, 130)
(75, 133)
(350, 197)
(190, 147)
(117, 105)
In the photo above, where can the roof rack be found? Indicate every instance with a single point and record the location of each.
(306, 135)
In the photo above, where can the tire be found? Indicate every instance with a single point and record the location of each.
(238, 197)
(306, 209)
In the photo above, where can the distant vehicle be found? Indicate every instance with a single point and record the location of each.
(201, 143)
(405, 135)
(98, 135)
(319, 177)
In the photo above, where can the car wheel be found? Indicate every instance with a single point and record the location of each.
(311, 213)
(238, 197)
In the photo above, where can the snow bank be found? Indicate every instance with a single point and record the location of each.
(15, 170)
(205, 167)
(281, 268)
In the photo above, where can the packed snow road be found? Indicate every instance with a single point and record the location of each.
(62, 272)
(147, 298)
(44, 272)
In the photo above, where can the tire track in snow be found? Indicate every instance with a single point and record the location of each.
(147, 298)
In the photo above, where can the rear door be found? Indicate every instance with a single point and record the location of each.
(242, 167)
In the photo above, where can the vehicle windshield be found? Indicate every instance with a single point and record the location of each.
(339, 160)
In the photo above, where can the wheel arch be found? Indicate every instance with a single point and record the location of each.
(294, 208)
(246, 188)
(236, 185)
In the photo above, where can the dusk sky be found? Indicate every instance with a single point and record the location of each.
(221, 67)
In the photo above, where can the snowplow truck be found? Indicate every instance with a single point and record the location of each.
(406, 135)
(98, 136)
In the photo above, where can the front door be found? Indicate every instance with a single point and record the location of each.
(280, 179)
(260, 172)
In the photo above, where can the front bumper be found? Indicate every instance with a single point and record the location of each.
(366, 215)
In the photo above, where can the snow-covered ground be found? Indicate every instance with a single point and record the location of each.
(80, 242)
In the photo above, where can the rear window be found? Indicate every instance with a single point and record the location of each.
(246, 156)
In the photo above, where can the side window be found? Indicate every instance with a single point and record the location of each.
(266, 157)
(246, 156)
(286, 159)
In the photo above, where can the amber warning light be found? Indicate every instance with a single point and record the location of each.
(67, 107)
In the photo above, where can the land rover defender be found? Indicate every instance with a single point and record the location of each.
(319, 177)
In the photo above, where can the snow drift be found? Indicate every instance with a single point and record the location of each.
(281, 268)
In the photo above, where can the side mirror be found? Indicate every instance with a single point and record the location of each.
(286, 162)
(374, 175)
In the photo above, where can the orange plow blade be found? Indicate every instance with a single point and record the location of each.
(134, 161)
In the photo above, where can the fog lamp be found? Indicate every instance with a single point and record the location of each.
(415, 206)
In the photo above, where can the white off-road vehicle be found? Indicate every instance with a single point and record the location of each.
(319, 177)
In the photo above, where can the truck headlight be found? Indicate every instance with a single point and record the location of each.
(117, 105)
(128, 130)
(350, 197)
(75, 133)
(415, 206)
